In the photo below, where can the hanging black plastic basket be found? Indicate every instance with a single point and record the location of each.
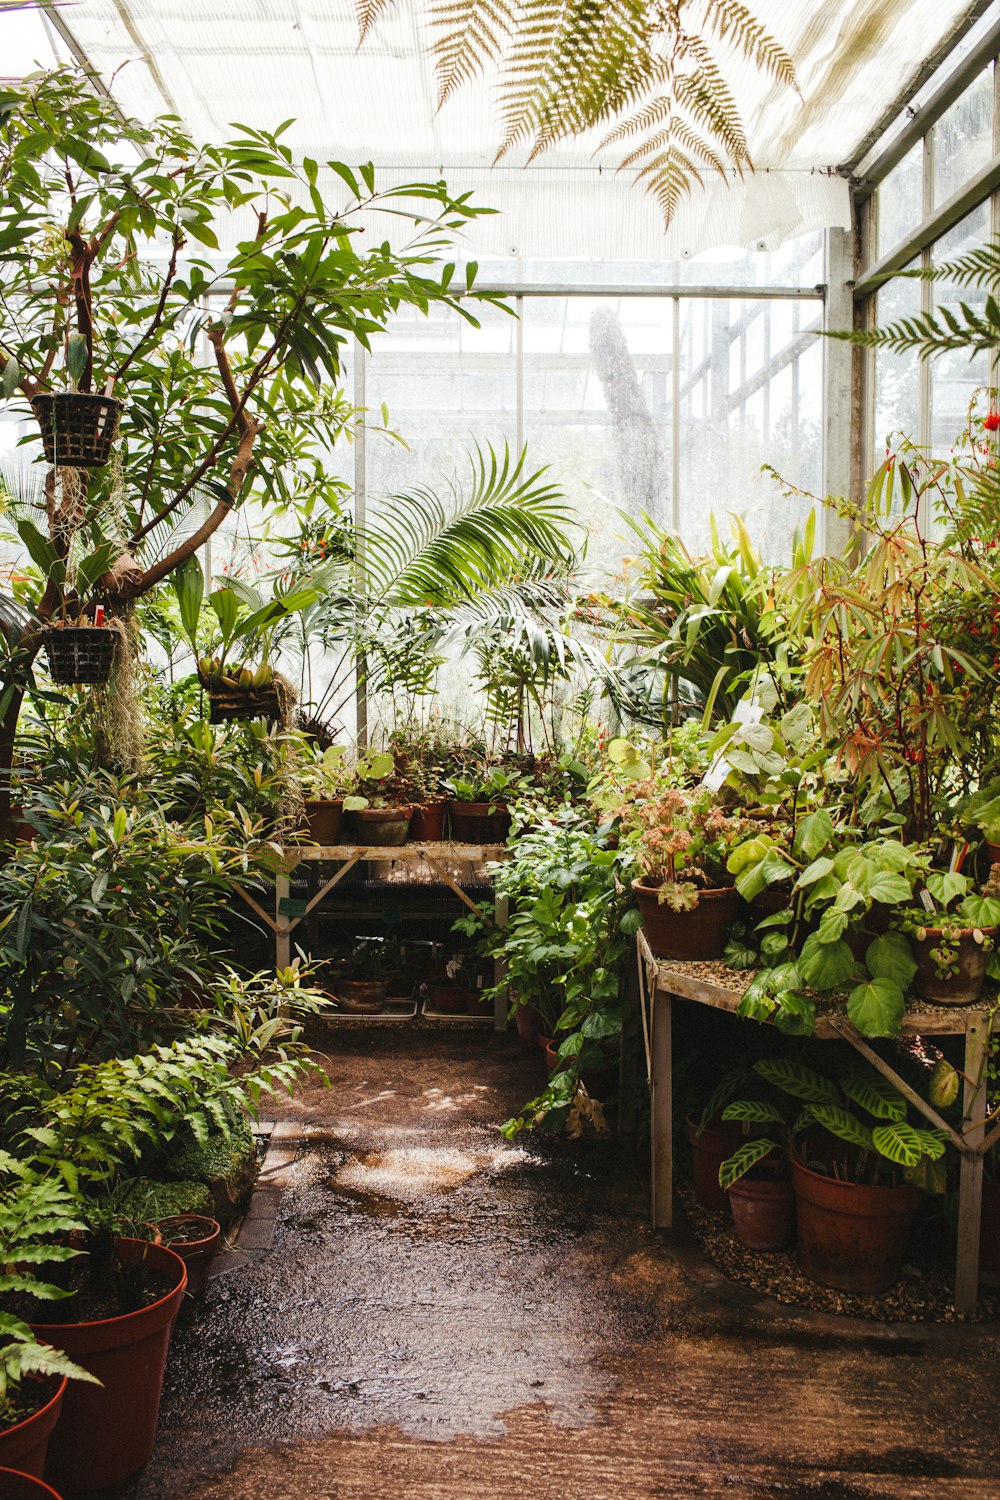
(80, 653)
(78, 428)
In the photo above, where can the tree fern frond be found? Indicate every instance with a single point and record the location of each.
(714, 109)
(472, 32)
(733, 22)
(932, 333)
(368, 12)
(646, 118)
(684, 143)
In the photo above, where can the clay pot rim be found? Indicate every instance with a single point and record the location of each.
(643, 883)
(39, 1412)
(125, 1242)
(215, 1229)
(901, 1188)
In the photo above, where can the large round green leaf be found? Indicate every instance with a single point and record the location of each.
(876, 1007)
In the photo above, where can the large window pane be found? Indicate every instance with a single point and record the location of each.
(963, 138)
(900, 200)
(954, 377)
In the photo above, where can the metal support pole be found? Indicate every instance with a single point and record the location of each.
(838, 358)
(970, 1190)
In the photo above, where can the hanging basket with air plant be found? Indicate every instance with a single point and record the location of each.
(78, 427)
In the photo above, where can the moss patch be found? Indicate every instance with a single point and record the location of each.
(158, 1200)
(226, 1166)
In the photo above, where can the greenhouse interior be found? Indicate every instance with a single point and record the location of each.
(499, 757)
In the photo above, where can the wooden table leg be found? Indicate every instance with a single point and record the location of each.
(282, 931)
(501, 915)
(661, 1111)
(970, 1191)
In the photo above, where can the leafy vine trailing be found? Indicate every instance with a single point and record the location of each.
(650, 74)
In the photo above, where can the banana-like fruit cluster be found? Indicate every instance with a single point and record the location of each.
(214, 673)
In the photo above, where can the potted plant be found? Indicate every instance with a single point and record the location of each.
(327, 779)
(952, 934)
(15, 1485)
(195, 1238)
(378, 813)
(458, 992)
(684, 891)
(360, 982)
(78, 427)
(479, 803)
(854, 1204)
(757, 1176)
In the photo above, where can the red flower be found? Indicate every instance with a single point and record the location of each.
(992, 421)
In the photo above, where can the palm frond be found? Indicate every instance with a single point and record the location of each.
(979, 267)
(499, 525)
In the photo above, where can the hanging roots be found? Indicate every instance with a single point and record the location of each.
(119, 722)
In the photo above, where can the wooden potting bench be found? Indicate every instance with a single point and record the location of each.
(661, 981)
(440, 857)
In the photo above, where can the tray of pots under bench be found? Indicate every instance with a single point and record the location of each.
(452, 1003)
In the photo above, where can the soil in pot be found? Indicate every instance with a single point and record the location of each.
(35, 1409)
(763, 1210)
(381, 827)
(195, 1238)
(693, 935)
(710, 1148)
(852, 1236)
(962, 984)
(427, 822)
(106, 1432)
(479, 822)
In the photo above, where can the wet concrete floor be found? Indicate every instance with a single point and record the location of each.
(444, 1316)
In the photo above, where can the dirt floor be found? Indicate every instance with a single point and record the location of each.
(444, 1316)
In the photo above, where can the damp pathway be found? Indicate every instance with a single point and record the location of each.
(442, 1315)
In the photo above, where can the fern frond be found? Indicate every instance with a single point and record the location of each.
(368, 12)
(733, 22)
(684, 143)
(713, 108)
(934, 333)
(979, 267)
(472, 32)
(646, 118)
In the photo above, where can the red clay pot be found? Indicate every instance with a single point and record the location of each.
(963, 988)
(196, 1249)
(325, 821)
(479, 822)
(852, 1235)
(449, 999)
(361, 997)
(23, 1447)
(688, 935)
(106, 1432)
(427, 822)
(528, 1024)
(710, 1149)
(763, 1213)
(16, 1485)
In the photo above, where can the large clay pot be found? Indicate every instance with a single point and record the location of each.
(427, 822)
(479, 822)
(361, 997)
(961, 988)
(528, 1024)
(195, 1238)
(23, 1446)
(16, 1485)
(714, 1145)
(106, 1431)
(763, 1211)
(381, 827)
(325, 820)
(688, 935)
(852, 1235)
(449, 999)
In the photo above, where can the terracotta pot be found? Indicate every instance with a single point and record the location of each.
(852, 1235)
(771, 900)
(195, 1238)
(479, 822)
(325, 820)
(427, 821)
(763, 1213)
(23, 1447)
(383, 827)
(16, 1485)
(688, 935)
(993, 850)
(362, 997)
(449, 999)
(716, 1143)
(476, 1005)
(106, 1432)
(989, 1235)
(961, 988)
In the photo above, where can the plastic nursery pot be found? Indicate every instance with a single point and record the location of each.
(958, 987)
(763, 1211)
(383, 827)
(687, 935)
(16, 1485)
(106, 1432)
(23, 1446)
(714, 1145)
(852, 1235)
(427, 821)
(195, 1238)
(479, 822)
(79, 653)
(325, 820)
